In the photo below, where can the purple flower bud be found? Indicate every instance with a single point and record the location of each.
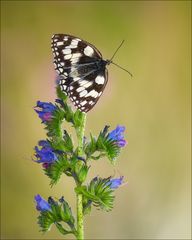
(117, 136)
(62, 199)
(59, 101)
(95, 179)
(46, 165)
(52, 201)
(115, 182)
(45, 111)
(42, 205)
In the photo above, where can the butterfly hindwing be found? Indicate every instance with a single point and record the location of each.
(84, 93)
(82, 71)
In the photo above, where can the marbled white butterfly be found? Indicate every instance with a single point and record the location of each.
(82, 71)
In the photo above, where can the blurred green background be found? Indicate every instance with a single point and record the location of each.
(154, 106)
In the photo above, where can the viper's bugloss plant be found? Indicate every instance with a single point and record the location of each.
(59, 154)
(82, 75)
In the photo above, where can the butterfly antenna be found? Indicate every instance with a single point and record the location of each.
(110, 61)
(116, 50)
(122, 68)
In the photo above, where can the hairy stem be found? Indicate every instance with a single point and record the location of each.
(80, 228)
(80, 136)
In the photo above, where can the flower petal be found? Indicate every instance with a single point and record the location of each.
(45, 154)
(117, 136)
(42, 204)
(45, 111)
(116, 182)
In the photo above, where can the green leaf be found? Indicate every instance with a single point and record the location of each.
(55, 171)
(81, 171)
(68, 144)
(54, 126)
(61, 94)
(55, 209)
(98, 156)
(91, 147)
(68, 216)
(63, 112)
(61, 229)
(45, 220)
(109, 147)
(86, 206)
(103, 146)
(60, 212)
(78, 116)
(99, 193)
(69, 115)
(64, 144)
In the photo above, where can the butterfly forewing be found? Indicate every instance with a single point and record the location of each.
(82, 72)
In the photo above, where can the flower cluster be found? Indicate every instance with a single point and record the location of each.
(42, 205)
(60, 155)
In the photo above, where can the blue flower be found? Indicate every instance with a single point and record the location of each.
(115, 182)
(45, 154)
(42, 205)
(45, 111)
(117, 136)
(44, 143)
(112, 183)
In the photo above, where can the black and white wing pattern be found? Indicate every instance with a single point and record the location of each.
(82, 71)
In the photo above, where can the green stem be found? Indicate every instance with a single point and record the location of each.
(80, 136)
(80, 228)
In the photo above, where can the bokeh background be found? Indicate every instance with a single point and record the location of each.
(154, 106)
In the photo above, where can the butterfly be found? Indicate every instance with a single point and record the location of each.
(82, 71)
